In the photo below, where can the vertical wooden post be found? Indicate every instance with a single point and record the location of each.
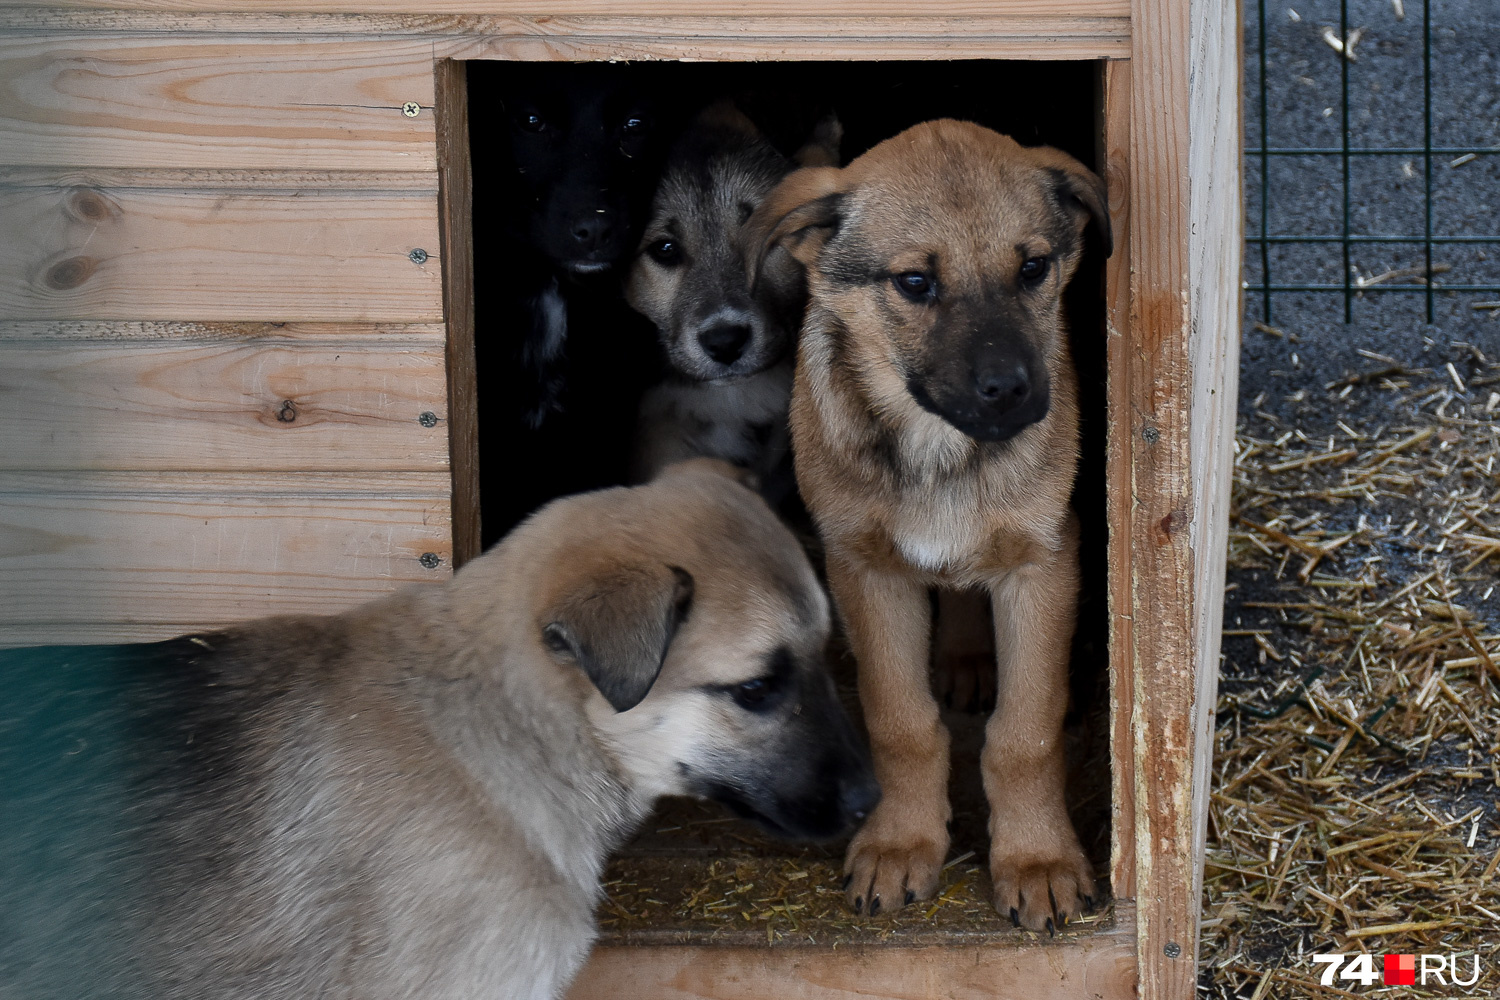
(1115, 161)
(1178, 369)
(455, 215)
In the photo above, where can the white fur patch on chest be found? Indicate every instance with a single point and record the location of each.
(936, 538)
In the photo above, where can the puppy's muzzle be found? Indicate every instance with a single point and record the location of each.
(592, 230)
(990, 384)
(725, 342)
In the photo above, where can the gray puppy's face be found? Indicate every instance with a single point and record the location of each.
(688, 275)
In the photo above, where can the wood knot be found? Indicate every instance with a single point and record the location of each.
(88, 205)
(288, 411)
(71, 273)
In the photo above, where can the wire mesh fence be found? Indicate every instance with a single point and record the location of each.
(1372, 160)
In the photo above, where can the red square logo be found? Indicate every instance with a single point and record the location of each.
(1401, 970)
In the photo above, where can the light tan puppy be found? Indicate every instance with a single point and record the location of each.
(935, 435)
(415, 799)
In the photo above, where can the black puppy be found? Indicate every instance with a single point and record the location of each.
(565, 159)
(572, 153)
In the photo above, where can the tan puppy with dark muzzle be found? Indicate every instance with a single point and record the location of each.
(935, 436)
(414, 799)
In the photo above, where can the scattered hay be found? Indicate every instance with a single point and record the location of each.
(1357, 760)
(750, 899)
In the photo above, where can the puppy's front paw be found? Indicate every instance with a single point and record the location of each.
(889, 865)
(1041, 892)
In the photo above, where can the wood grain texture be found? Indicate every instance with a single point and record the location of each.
(215, 179)
(141, 101)
(141, 549)
(457, 216)
(1215, 268)
(1115, 99)
(1183, 164)
(1018, 37)
(1096, 968)
(329, 400)
(141, 254)
(585, 8)
(1027, 29)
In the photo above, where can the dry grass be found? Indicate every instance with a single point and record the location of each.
(1355, 774)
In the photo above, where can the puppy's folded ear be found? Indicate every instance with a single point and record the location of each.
(797, 216)
(617, 627)
(1080, 186)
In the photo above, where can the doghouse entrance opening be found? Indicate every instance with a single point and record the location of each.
(695, 874)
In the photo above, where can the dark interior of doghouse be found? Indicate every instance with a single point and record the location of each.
(695, 873)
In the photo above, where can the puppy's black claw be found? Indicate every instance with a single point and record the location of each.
(1015, 916)
(910, 897)
(1051, 930)
(874, 905)
(859, 904)
(848, 879)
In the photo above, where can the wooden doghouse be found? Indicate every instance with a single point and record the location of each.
(236, 347)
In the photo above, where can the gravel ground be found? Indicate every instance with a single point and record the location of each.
(1312, 384)
(1386, 192)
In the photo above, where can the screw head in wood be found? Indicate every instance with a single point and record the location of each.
(430, 560)
(1151, 434)
(411, 109)
(427, 419)
(1172, 950)
(418, 256)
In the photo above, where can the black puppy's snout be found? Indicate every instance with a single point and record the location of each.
(1003, 389)
(859, 794)
(725, 342)
(593, 229)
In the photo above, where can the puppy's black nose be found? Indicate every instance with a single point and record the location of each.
(1004, 389)
(725, 342)
(859, 795)
(593, 229)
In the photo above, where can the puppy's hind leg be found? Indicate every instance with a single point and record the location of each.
(963, 651)
(898, 854)
(1042, 877)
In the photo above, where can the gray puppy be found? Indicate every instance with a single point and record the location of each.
(729, 345)
(416, 798)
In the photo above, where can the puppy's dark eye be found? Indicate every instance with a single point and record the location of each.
(554, 639)
(1034, 269)
(634, 125)
(753, 695)
(531, 122)
(915, 285)
(665, 252)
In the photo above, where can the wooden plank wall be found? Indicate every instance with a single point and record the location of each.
(223, 369)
